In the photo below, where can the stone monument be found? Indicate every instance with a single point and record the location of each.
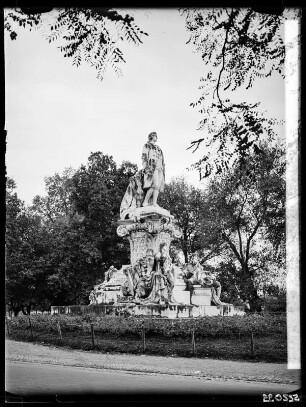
(155, 283)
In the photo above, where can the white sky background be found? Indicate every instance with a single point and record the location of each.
(57, 114)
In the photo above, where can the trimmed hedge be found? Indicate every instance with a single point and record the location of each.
(217, 326)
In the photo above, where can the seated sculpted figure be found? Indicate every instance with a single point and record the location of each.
(208, 279)
(142, 286)
(192, 271)
(158, 286)
(162, 279)
(133, 274)
(138, 276)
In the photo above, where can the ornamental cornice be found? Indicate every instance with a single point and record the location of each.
(152, 226)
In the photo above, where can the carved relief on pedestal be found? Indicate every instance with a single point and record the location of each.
(140, 241)
(148, 233)
(162, 237)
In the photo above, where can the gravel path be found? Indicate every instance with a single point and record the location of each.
(206, 368)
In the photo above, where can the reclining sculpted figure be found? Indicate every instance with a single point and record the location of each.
(194, 273)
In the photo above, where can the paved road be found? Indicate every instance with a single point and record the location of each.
(35, 379)
(17, 351)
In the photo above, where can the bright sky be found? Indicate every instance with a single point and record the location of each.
(57, 114)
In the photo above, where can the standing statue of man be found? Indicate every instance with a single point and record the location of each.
(153, 170)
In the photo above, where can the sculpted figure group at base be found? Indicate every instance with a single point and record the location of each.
(153, 278)
(145, 186)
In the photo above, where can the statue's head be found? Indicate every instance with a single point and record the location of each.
(152, 137)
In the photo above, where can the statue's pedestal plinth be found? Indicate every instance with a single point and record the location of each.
(152, 310)
(180, 294)
(201, 296)
(111, 296)
(112, 291)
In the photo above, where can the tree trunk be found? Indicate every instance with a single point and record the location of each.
(247, 287)
(245, 269)
(28, 308)
(16, 311)
(185, 245)
(24, 310)
(247, 284)
(185, 253)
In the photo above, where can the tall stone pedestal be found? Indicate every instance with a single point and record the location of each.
(150, 227)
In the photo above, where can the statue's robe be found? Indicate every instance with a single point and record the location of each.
(159, 289)
(162, 283)
(153, 167)
(133, 196)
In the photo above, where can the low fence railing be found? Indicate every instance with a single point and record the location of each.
(91, 335)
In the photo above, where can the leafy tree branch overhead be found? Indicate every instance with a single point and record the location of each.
(90, 35)
(237, 46)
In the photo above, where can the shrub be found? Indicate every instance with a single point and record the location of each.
(264, 324)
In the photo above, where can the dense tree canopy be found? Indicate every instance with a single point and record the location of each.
(27, 246)
(61, 245)
(58, 247)
(184, 201)
(245, 212)
(98, 189)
